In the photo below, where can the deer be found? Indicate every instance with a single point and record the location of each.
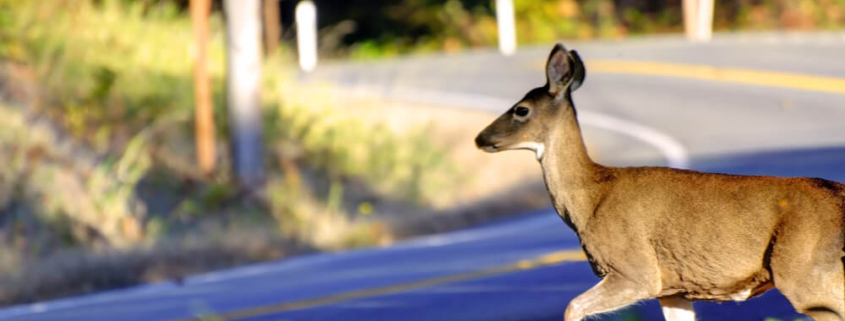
(677, 235)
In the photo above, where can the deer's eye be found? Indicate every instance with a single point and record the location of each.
(521, 111)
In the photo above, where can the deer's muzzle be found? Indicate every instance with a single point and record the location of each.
(484, 142)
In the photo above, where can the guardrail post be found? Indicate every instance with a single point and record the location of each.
(306, 34)
(506, 27)
(705, 20)
(690, 10)
(698, 19)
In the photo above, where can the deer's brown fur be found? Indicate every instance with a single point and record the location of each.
(655, 232)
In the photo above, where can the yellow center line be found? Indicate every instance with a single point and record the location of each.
(550, 259)
(701, 72)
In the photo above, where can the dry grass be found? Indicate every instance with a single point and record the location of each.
(492, 185)
(485, 187)
(479, 174)
(98, 188)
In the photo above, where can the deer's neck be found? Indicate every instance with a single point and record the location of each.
(570, 174)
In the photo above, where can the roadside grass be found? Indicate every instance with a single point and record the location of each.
(55, 233)
(98, 187)
(116, 76)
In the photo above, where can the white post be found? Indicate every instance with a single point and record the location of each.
(690, 10)
(243, 82)
(306, 34)
(705, 20)
(507, 27)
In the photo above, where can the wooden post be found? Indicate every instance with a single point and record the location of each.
(272, 26)
(243, 85)
(203, 108)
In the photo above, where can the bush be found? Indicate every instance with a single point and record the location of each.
(117, 76)
(387, 28)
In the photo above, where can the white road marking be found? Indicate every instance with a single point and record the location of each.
(672, 150)
(90, 299)
(477, 234)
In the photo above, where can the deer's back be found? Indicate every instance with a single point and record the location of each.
(711, 235)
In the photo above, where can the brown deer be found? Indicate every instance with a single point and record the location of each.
(677, 235)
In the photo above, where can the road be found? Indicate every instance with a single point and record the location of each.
(529, 268)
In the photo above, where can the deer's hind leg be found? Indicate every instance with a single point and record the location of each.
(677, 309)
(612, 293)
(811, 277)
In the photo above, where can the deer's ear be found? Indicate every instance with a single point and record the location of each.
(578, 70)
(564, 70)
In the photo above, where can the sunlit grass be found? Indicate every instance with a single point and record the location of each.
(117, 76)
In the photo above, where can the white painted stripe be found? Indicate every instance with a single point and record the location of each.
(89, 299)
(463, 236)
(672, 150)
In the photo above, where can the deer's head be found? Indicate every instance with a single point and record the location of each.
(527, 123)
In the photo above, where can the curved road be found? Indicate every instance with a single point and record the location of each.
(762, 104)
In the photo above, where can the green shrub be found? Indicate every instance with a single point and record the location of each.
(117, 75)
(107, 69)
(405, 166)
(419, 26)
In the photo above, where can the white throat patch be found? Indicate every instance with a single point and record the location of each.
(536, 147)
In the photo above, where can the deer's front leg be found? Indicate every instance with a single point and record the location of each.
(612, 293)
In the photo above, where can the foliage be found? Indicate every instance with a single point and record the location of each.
(407, 166)
(434, 25)
(387, 28)
(780, 14)
(117, 76)
(108, 69)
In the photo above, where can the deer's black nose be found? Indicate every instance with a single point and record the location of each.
(482, 141)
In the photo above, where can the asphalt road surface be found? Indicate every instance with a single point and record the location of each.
(642, 104)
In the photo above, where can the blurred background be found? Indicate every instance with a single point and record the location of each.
(148, 141)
